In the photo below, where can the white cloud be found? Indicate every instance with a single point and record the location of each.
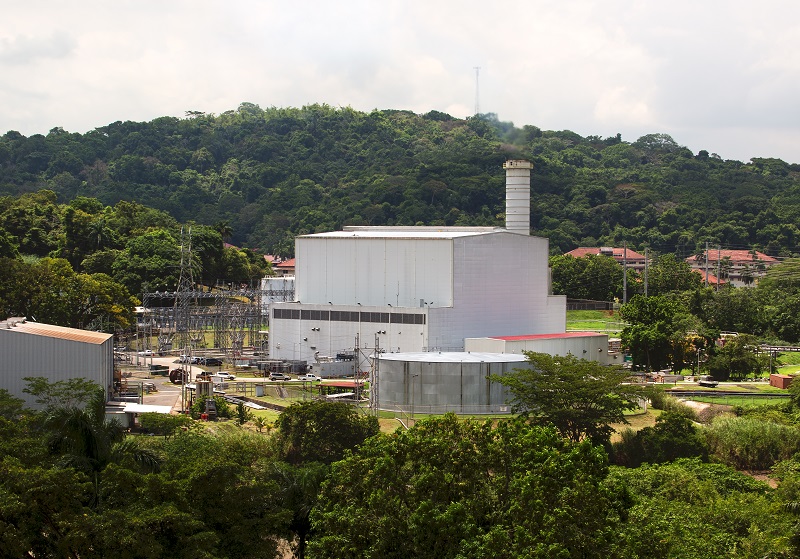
(695, 71)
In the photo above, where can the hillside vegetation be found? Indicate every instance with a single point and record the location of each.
(274, 173)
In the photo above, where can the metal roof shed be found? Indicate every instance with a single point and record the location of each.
(33, 349)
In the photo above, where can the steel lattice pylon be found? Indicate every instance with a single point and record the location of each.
(179, 320)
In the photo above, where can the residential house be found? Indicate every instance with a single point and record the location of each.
(738, 267)
(630, 258)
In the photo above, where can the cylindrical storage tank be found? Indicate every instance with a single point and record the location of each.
(518, 196)
(436, 383)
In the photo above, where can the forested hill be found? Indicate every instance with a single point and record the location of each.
(274, 173)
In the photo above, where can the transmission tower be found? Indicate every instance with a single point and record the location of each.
(184, 296)
(477, 97)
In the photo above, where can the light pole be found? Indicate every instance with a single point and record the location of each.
(699, 352)
(413, 392)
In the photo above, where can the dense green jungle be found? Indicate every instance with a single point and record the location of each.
(271, 174)
(90, 221)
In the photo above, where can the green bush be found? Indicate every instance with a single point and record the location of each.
(243, 415)
(660, 400)
(199, 407)
(674, 436)
(747, 443)
(163, 424)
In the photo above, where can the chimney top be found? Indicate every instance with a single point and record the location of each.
(517, 164)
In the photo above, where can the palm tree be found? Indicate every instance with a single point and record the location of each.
(300, 486)
(224, 229)
(83, 439)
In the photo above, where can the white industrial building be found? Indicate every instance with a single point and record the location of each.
(32, 349)
(591, 346)
(418, 289)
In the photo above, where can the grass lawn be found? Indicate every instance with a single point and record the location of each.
(607, 322)
(742, 401)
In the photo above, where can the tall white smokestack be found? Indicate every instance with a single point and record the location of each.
(518, 196)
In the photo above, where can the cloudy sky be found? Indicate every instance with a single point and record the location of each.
(723, 76)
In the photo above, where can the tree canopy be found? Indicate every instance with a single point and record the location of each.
(580, 398)
(450, 488)
(274, 173)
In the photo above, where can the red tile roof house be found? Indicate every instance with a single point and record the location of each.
(285, 268)
(740, 267)
(709, 278)
(631, 258)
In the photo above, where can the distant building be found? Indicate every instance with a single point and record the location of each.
(284, 268)
(631, 258)
(709, 278)
(739, 267)
(592, 346)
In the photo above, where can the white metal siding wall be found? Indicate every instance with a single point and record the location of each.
(30, 355)
(374, 272)
(500, 289)
(591, 348)
(300, 339)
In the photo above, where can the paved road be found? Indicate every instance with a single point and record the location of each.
(166, 393)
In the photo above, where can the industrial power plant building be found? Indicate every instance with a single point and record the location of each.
(413, 295)
(413, 289)
(33, 349)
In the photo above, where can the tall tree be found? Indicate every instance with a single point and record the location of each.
(320, 431)
(451, 488)
(655, 325)
(580, 398)
(83, 439)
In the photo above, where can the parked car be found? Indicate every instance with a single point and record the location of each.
(223, 376)
(309, 377)
(146, 353)
(211, 361)
(279, 376)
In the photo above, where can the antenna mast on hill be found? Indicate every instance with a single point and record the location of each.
(477, 98)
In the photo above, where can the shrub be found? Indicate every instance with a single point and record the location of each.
(660, 400)
(674, 436)
(746, 443)
(163, 424)
(199, 407)
(243, 415)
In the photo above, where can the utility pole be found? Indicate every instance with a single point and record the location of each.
(706, 263)
(646, 262)
(624, 272)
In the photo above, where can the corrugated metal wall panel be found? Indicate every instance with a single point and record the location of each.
(374, 272)
(25, 355)
(434, 387)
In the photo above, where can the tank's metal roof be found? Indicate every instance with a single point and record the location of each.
(454, 357)
(38, 329)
